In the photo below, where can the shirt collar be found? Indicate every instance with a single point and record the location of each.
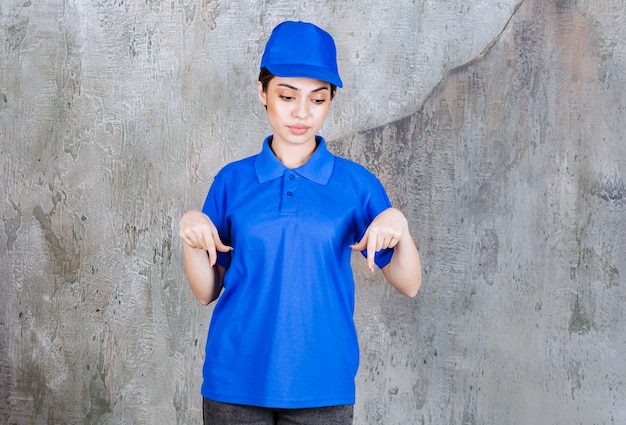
(318, 168)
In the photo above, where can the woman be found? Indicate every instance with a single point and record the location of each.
(275, 237)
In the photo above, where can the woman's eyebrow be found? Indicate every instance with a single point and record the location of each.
(297, 89)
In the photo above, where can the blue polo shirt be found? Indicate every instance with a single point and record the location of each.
(282, 333)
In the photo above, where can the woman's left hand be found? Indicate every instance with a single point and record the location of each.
(385, 231)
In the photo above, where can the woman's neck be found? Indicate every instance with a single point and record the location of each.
(293, 156)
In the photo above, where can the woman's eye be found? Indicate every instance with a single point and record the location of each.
(283, 97)
(319, 101)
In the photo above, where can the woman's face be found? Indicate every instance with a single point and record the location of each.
(296, 108)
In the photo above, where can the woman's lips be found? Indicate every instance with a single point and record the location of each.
(298, 130)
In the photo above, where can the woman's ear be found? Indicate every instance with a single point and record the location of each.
(262, 93)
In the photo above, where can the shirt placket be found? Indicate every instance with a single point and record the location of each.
(291, 183)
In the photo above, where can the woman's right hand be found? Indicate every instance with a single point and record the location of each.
(197, 231)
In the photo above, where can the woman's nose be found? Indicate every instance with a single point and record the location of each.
(300, 110)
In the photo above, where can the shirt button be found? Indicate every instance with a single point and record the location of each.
(289, 193)
(291, 177)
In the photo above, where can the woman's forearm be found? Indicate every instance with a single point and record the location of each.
(404, 272)
(205, 280)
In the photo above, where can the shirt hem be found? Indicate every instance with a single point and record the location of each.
(280, 404)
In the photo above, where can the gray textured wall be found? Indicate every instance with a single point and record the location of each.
(497, 126)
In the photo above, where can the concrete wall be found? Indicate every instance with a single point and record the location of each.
(497, 126)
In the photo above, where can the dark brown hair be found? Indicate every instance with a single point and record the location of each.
(265, 76)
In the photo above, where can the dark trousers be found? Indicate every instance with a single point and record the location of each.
(217, 413)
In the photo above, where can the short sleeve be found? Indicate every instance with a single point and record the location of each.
(215, 206)
(378, 202)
